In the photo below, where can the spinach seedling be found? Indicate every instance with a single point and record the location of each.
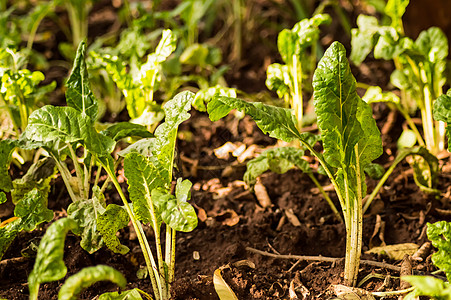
(140, 83)
(420, 67)
(349, 135)
(297, 48)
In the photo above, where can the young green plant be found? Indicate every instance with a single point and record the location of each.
(350, 138)
(297, 47)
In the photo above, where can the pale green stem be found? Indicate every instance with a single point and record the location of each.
(353, 227)
(147, 253)
(329, 201)
(99, 171)
(34, 292)
(87, 173)
(428, 127)
(63, 171)
(172, 262)
(237, 29)
(297, 92)
(78, 171)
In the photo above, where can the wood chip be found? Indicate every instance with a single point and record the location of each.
(262, 195)
(406, 270)
(292, 217)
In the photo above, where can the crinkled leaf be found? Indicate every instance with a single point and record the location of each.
(85, 212)
(49, 265)
(143, 175)
(278, 79)
(195, 54)
(345, 120)
(279, 122)
(175, 211)
(38, 175)
(278, 160)
(308, 31)
(428, 286)
(122, 130)
(2, 197)
(362, 41)
(126, 295)
(374, 94)
(50, 124)
(6, 150)
(109, 222)
(75, 284)
(205, 95)
(439, 234)
(145, 147)
(287, 43)
(388, 45)
(176, 111)
(375, 171)
(433, 44)
(166, 45)
(78, 93)
(395, 9)
(425, 169)
(442, 112)
(8, 234)
(32, 210)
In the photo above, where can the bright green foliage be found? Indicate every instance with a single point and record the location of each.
(202, 55)
(85, 212)
(139, 85)
(175, 211)
(52, 124)
(143, 175)
(278, 160)
(442, 112)
(32, 210)
(428, 286)
(49, 265)
(6, 150)
(440, 235)
(2, 197)
(127, 295)
(122, 130)
(75, 284)
(395, 9)
(205, 95)
(109, 222)
(278, 122)
(343, 118)
(78, 93)
(38, 176)
(288, 80)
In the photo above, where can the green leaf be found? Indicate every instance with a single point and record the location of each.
(439, 234)
(195, 55)
(374, 94)
(2, 197)
(75, 284)
(388, 45)
(279, 122)
(85, 212)
(51, 124)
(6, 151)
(32, 210)
(143, 175)
(126, 295)
(278, 160)
(78, 93)
(375, 171)
(442, 112)
(428, 286)
(343, 118)
(308, 31)
(166, 45)
(395, 9)
(205, 95)
(8, 234)
(38, 175)
(362, 41)
(114, 218)
(175, 211)
(122, 130)
(49, 265)
(287, 42)
(278, 79)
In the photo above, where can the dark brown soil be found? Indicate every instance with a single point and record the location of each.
(231, 218)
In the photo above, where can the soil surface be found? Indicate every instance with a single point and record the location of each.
(234, 222)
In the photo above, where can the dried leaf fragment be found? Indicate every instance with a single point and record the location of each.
(349, 293)
(397, 251)
(222, 288)
(262, 194)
